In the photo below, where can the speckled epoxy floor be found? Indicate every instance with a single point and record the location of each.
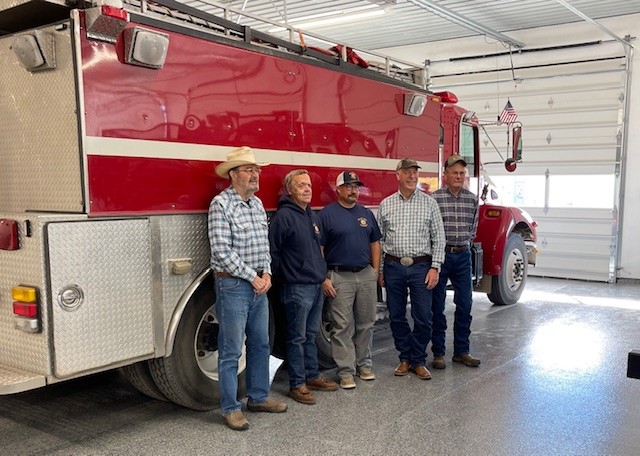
(552, 381)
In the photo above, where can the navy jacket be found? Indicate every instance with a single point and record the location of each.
(294, 235)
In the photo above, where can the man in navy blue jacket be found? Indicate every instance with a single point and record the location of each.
(294, 235)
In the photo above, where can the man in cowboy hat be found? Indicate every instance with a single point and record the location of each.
(241, 263)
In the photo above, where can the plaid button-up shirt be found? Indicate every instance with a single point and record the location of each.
(459, 214)
(239, 235)
(412, 227)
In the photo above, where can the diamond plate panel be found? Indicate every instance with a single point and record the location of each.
(182, 236)
(18, 349)
(109, 260)
(23, 266)
(39, 133)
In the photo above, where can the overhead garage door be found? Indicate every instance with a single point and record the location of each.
(571, 104)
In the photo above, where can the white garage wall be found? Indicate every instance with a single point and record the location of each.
(594, 136)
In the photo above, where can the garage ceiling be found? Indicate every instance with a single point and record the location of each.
(376, 24)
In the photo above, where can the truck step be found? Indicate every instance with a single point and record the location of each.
(14, 380)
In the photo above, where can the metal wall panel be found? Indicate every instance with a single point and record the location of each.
(110, 261)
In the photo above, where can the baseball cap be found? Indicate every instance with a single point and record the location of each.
(348, 177)
(407, 163)
(453, 160)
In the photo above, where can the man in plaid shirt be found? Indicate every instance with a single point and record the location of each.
(459, 208)
(413, 243)
(241, 263)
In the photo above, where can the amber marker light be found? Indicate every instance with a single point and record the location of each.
(24, 294)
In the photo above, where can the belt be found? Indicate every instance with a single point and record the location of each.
(456, 248)
(226, 275)
(335, 268)
(408, 261)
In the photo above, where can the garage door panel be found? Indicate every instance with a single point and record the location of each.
(571, 115)
(568, 168)
(579, 228)
(585, 215)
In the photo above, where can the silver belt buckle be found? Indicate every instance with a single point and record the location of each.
(406, 261)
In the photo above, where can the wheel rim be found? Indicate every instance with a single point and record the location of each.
(206, 346)
(325, 330)
(515, 270)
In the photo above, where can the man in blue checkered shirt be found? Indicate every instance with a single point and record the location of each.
(413, 246)
(241, 263)
(459, 208)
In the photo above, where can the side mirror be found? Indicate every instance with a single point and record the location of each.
(516, 141)
(510, 163)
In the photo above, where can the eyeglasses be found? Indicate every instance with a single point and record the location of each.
(251, 170)
(351, 187)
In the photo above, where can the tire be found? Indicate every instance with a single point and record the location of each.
(140, 377)
(507, 287)
(323, 342)
(189, 377)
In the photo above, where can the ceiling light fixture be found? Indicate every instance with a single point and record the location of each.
(336, 17)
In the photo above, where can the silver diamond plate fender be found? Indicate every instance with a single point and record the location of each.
(179, 310)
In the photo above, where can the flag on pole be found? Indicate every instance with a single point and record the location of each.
(508, 114)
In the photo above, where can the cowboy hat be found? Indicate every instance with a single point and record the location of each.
(237, 157)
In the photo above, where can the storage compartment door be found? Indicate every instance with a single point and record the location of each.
(100, 293)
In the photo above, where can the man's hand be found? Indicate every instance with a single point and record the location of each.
(381, 279)
(329, 290)
(261, 284)
(431, 279)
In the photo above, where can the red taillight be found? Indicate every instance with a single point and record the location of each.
(9, 239)
(25, 309)
(117, 13)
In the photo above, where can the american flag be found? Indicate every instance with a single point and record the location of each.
(508, 114)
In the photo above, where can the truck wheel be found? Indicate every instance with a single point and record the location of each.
(140, 377)
(323, 344)
(507, 287)
(189, 377)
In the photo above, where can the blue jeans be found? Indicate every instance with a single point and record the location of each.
(412, 345)
(456, 268)
(303, 306)
(240, 311)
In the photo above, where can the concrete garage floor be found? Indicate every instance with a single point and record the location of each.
(552, 381)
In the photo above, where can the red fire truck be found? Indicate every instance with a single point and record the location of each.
(113, 117)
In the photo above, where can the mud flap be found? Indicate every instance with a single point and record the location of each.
(477, 263)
